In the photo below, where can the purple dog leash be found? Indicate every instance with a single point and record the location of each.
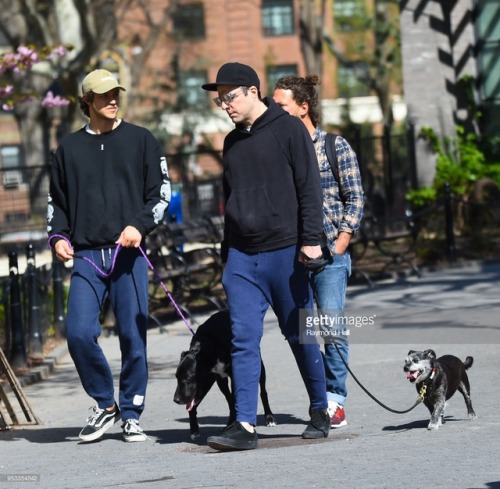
(108, 274)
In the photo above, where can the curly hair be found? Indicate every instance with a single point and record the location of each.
(304, 91)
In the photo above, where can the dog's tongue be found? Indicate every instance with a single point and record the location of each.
(190, 405)
(412, 375)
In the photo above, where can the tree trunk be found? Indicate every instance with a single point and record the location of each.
(427, 75)
(312, 14)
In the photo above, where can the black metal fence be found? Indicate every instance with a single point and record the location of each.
(32, 307)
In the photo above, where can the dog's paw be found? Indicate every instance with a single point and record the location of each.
(472, 416)
(433, 426)
(270, 420)
(195, 435)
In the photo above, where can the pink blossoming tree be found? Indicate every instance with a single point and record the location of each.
(18, 63)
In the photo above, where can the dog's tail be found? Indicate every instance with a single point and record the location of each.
(468, 362)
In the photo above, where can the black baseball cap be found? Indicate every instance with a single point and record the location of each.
(234, 74)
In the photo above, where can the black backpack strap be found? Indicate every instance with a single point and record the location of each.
(331, 154)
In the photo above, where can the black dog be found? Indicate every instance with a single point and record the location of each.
(440, 378)
(207, 361)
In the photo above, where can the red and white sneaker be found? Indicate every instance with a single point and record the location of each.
(337, 415)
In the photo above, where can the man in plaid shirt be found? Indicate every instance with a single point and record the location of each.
(343, 203)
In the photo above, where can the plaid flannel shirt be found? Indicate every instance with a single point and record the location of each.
(342, 204)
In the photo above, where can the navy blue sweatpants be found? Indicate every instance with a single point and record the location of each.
(252, 283)
(127, 289)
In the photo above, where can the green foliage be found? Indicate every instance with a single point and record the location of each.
(350, 18)
(422, 196)
(460, 162)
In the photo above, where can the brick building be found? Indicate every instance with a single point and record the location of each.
(164, 50)
(197, 37)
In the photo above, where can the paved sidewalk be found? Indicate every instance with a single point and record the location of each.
(454, 311)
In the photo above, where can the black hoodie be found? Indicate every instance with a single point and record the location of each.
(101, 183)
(272, 185)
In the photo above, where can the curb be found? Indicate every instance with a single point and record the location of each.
(45, 368)
(361, 277)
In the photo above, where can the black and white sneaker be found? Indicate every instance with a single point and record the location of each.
(132, 431)
(99, 422)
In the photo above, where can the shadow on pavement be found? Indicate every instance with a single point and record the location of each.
(422, 424)
(266, 441)
(213, 425)
(42, 434)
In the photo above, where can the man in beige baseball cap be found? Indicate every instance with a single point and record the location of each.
(109, 188)
(100, 81)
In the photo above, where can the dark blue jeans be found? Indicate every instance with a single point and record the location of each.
(253, 282)
(127, 289)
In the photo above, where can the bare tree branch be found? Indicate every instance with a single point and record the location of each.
(310, 29)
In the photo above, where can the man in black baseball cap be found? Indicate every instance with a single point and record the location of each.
(268, 229)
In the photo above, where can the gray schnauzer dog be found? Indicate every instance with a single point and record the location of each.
(437, 379)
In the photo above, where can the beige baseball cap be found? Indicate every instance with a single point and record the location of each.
(100, 81)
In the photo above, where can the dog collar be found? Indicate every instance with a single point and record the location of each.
(423, 389)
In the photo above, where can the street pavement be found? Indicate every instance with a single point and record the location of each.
(454, 310)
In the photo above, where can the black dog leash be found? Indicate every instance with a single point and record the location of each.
(315, 266)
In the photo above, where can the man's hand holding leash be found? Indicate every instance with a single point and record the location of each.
(63, 250)
(130, 238)
(312, 264)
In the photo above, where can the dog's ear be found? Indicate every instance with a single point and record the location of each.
(411, 352)
(430, 353)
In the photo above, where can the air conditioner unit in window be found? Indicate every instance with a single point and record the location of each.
(12, 179)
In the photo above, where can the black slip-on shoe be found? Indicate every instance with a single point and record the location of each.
(319, 426)
(234, 437)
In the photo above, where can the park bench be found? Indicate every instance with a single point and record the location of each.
(186, 258)
(393, 237)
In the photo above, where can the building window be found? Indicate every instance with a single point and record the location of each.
(348, 81)
(349, 15)
(490, 70)
(189, 21)
(274, 73)
(488, 30)
(277, 17)
(488, 60)
(10, 162)
(190, 94)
